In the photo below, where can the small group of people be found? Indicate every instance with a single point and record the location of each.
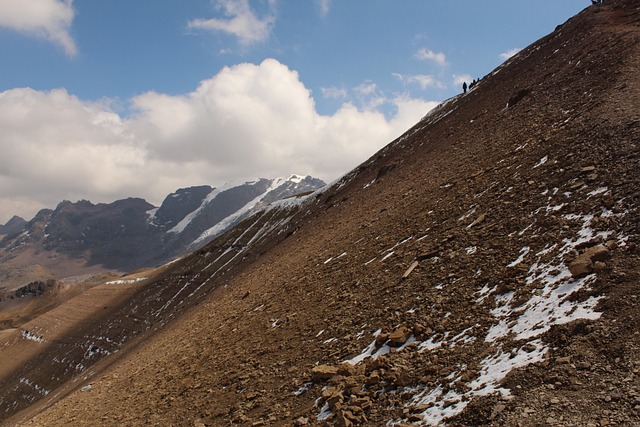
(470, 86)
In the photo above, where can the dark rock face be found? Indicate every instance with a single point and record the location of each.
(132, 233)
(32, 289)
(221, 209)
(114, 235)
(224, 204)
(178, 205)
(13, 226)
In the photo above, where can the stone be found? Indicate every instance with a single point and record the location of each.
(302, 421)
(373, 379)
(399, 337)
(363, 403)
(580, 267)
(583, 366)
(611, 245)
(599, 266)
(415, 418)
(323, 372)
(583, 264)
(327, 392)
(478, 221)
(381, 339)
(607, 201)
(335, 401)
(413, 265)
(343, 419)
(347, 370)
(597, 253)
(497, 410)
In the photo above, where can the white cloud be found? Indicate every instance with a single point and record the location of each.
(508, 54)
(458, 79)
(369, 97)
(334, 92)
(428, 55)
(324, 6)
(366, 88)
(424, 81)
(249, 120)
(240, 21)
(47, 19)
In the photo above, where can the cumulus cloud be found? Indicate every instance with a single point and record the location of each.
(439, 58)
(240, 21)
(508, 54)
(424, 81)
(47, 19)
(249, 120)
(56, 146)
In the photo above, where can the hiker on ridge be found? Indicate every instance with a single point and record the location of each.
(464, 87)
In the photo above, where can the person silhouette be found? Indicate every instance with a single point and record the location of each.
(464, 87)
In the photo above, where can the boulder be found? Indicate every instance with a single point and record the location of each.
(323, 372)
(580, 267)
(585, 262)
(399, 337)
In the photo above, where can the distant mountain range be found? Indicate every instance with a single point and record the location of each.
(131, 233)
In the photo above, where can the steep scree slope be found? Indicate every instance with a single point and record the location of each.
(480, 270)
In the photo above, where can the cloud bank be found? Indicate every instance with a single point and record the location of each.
(249, 120)
(46, 19)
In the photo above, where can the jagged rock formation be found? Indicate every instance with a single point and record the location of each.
(432, 284)
(14, 225)
(131, 233)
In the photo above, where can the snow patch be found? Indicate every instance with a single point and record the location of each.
(127, 281)
(28, 335)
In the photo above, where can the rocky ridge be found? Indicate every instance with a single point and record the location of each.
(131, 233)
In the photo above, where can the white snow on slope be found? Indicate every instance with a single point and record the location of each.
(225, 223)
(514, 339)
(180, 227)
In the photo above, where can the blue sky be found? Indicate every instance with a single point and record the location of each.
(101, 100)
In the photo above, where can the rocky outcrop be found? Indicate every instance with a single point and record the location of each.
(129, 234)
(13, 226)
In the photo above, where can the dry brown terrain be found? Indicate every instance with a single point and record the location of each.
(480, 270)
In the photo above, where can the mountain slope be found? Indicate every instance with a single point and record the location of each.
(82, 237)
(481, 267)
(14, 225)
